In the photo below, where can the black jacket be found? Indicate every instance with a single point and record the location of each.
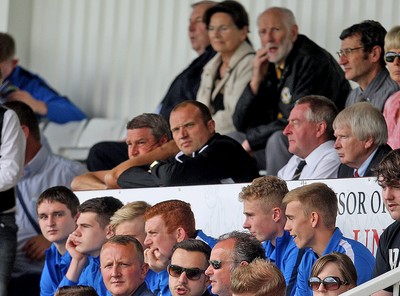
(348, 172)
(309, 70)
(186, 84)
(221, 160)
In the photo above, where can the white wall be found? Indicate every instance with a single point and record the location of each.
(116, 58)
(361, 213)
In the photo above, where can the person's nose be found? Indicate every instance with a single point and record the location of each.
(287, 130)
(183, 278)
(147, 241)
(133, 151)
(209, 271)
(288, 225)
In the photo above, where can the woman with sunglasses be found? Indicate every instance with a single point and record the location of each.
(391, 110)
(332, 274)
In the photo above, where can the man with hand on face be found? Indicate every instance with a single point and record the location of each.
(288, 67)
(186, 271)
(206, 157)
(167, 223)
(144, 133)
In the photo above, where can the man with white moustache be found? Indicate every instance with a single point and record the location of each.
(288, 67)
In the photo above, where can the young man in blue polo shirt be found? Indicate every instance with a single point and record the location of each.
(57, 209)
(265, 219)
(84, 244)
(311, 212)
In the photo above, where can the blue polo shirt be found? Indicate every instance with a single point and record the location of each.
(286, 257)
(362, 258)
(55, 268)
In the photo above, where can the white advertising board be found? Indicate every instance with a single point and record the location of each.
(362, 215)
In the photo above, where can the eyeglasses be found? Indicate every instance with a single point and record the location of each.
(191, 273)
(216, 264)
(390, 56)
(330, 283)
(345, 52)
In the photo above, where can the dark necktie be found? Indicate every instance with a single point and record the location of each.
(299, 169)
(356, 175)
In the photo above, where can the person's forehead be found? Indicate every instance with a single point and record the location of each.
(273, 17)
(180, 253)
(186, 113)
(52, 206)
(139, 133)
(155, 222)
(223, 249)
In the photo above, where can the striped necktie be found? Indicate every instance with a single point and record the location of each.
(299, 169)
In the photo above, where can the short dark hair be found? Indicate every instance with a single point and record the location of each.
(232, 8)
(320, 109)
(155, 122)
(104, 207)
(371, 33)
(247, 247)
(7, 47)
(204, 111)
(62, 195)
(388, 170)
(26, 117)
(193, 245)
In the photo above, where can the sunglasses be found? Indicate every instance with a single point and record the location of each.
(330, 283)
(191, 273)
(390, 56)
(216, 264)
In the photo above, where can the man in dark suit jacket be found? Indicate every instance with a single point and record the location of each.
(361, 136)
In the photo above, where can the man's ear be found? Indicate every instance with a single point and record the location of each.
(26, 131)
(368, 143)
(314, 218)
(211, 126)
(376, 53)
(294, 31)
(277, 214)
(109, 231)
(321, 128)
(143, 271)
(14, 62)
(243, 263)
(164, 139)
(181, 234)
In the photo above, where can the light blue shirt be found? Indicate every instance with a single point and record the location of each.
(43, 171)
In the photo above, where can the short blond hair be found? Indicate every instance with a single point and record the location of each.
(128, 212)
(259, 278)
(316, 197)
(269, 189)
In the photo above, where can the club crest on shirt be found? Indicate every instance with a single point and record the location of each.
(286, 96)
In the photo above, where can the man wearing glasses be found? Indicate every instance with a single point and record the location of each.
(232, 250)
(186, 271)
(362, 58)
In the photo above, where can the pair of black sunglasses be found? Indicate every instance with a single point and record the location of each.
(390, 56)
(330, 283)
(191, 273)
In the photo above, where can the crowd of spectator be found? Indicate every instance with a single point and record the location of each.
(286, 111)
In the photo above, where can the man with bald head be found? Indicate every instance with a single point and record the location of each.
(287, 67)
(205, 157)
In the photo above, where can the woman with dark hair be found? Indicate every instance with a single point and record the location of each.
(227, 74)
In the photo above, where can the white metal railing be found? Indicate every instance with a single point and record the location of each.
(390, 278)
